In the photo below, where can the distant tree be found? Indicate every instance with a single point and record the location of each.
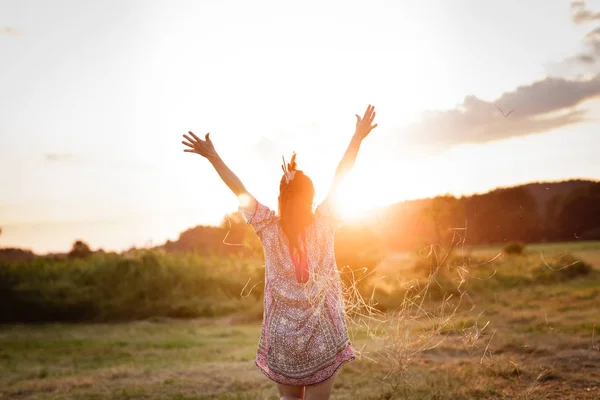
(580, 214)
(80, 249)
(14, 254)
(241, 235)
(527, 214)
(445, 214)
(199, 239)
(550, 218)
(502, 215)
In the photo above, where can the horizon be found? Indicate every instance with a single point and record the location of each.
(350, 219)
(99, 95)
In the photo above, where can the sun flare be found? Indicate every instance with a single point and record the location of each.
(352, 203)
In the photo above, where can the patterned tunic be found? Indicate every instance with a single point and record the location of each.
(304, 338)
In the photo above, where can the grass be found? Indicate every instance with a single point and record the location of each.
(513, 339)
(112, 287)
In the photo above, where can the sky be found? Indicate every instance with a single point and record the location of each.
(95, 97)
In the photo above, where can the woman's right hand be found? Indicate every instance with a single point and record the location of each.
(364, 125)
(203, 147)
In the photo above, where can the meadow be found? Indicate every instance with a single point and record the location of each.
(481, 324)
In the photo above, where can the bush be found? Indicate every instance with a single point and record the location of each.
(124, 287)
(514, 248)
(562, 268)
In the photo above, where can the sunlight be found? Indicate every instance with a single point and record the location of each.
(244, 200)
(364, 189)
(352, 202)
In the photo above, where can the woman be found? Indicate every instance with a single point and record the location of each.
(304, 340)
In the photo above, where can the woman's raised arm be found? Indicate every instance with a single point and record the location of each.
(364, 126)
(207, 150)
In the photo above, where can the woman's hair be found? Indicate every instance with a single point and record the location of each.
(295, 203)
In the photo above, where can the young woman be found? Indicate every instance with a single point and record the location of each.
(304, 340)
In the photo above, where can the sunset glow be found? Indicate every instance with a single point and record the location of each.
(99, 95)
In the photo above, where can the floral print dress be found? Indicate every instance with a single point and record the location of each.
(304, 339)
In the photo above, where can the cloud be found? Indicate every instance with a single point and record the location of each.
(593, 35)
(534, 108)
(266, 148)
(538, 107)
(591, 55)
(579, 13)
(8, 31)
(58, 157)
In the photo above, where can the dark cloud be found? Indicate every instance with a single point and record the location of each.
(579, 13)
(539, 107)
(58, 157)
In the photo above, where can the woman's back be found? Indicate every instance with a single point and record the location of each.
(304, 338)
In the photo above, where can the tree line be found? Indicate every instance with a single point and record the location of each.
(538, 212)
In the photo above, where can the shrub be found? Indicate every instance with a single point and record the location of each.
(108, 287)
(514, 248)
(441, 275)
(562, 268)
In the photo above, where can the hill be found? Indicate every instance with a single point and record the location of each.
(534, 212)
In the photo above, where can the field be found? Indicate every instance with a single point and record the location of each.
(518, 334)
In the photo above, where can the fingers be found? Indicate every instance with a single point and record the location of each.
(368, 112)
(368, 117)
(189, 139)
(195, 137)
(187, 144)
(374, 126)
(197, 145)
(195, 151)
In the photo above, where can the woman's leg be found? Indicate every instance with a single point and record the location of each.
(289, 392)
(320, 391)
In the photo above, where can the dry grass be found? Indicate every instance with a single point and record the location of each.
(493, 340)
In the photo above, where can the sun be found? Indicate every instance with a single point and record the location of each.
(352, 202)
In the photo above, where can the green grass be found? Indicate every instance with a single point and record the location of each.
(588, 250)
(213, 359)
(513, 337)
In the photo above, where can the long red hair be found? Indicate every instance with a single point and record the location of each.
(295, 214)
